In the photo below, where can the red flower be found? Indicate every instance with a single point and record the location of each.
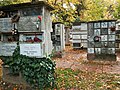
(40, 18)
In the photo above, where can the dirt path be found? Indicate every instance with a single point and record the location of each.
(77, 60)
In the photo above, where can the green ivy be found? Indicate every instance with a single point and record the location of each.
(38, 72)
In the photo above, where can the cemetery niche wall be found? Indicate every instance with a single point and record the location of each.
(118, 35)
(29, 24)
(79, 35)
(101, 40)
(58, 36)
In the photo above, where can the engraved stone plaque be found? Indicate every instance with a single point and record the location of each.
(104, 25)
(111, 44)
(111, 37)
(103, 37)
(97, 50)
(104, 31)
(96, 25)
(104, 44)
(104, 51)
(97, 32)
(98, 44)
(91, 44)
(111, 50)
(111, 24)
(90, 50)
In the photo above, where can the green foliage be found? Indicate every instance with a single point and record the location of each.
(37, 72)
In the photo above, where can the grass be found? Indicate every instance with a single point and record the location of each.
(69, 79)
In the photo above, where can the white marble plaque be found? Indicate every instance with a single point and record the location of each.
(111, 37)
(90, 50)
(103, 37)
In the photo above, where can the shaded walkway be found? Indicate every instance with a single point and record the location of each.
(77, 59)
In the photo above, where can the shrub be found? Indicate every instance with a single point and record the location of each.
(38, 72)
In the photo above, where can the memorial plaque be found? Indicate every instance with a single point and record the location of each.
(104, 44)
(111, 32)
(111, 44)
(104, 31)
(91, 50)
(104, 51)
(111, 24)
(111, 50)
(97, 50)
(96, 25)
(111, 37)
(97, 32)
(91, 44)
(104, 37)
(97, 44)
(104, 25)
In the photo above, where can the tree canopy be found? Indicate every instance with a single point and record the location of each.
(68, 11)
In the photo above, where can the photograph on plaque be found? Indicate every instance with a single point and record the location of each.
(90, 50)
(110, 32)
(104, 44)
(104, 25)
(104, 51)
(97, 50)
(111, 50)
(90, 44)
(97, 44)
(111, 44)
(97, 32)
(104, 31)
(111, 24)
(111, 37)
(103, 37)
(96, 25)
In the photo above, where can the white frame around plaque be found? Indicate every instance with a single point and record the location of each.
(90, 50)
(104, 24)
(103, 37)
